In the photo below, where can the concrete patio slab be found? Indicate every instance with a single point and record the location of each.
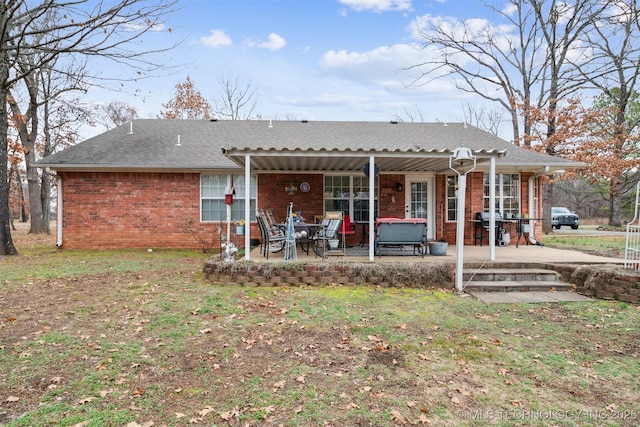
(529, 297)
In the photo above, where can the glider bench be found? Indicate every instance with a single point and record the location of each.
(396, 232)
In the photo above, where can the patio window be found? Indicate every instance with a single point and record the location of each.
(452, 198)
(212, 203)
(507, 193)
(349, 194)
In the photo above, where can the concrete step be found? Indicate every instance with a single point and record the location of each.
(515, 286)
(510, 274)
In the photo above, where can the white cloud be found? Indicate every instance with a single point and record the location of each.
(377, 66)
(216, 38)
(377, 5)
(275, 42)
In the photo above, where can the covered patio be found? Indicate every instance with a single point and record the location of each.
(473, 256)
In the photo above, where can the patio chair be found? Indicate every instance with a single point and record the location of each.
(346, 229)
(272, 240)
(271, 219)
(329, 232)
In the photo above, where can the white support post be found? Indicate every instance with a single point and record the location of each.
(462, 161)
(372, 188)
(247, 207)
(492, 209)
(462, 189)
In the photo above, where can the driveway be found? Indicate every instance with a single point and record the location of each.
(589, 230)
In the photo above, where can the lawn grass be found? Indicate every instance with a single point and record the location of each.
(589, 243)
(115, 338)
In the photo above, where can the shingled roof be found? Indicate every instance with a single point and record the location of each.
(202, 145)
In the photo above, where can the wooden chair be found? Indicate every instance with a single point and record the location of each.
(272, 240)
(329, 231)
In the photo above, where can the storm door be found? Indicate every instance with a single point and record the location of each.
(419, 200)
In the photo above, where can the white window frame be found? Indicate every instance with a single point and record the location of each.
(237, 209)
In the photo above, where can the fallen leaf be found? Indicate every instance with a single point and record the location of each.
(301, 379)
(411, 404)
(12, 399)
(180, 415)
(298, 409)
(85, 400)
(268, 409)
(397, 417)
(422, 419)
(205, 411)
(455, 400)
(402, 326)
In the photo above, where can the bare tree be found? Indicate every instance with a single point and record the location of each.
(115, 113)
(484, 118)
(39, 33)
(410, 115)
(615, 70)
(493, 62)
(236, 101)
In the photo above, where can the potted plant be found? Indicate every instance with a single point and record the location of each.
(240, 224)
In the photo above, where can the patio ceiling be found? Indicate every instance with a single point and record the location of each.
(350, 161)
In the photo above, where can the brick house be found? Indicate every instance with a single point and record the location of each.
(156, 183)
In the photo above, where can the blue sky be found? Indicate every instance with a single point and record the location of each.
(308, 59)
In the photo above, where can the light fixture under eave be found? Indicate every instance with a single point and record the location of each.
(291, 189)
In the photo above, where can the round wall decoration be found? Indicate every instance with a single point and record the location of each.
(304, 187)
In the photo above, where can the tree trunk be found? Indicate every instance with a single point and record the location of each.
(45, 199)
(615, 214)
(6, 242)
(35, 199)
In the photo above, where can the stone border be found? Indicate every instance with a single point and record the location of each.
(605, 281)
(408, 275)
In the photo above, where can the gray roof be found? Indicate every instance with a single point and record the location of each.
(187, 145)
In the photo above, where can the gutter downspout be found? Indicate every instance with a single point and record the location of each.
(59, 215)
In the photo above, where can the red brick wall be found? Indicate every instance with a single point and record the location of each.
(475, 203)
(151, 210)
(391, 201)
(272, 194)
(135, 210)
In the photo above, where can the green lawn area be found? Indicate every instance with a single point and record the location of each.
(131, 338)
